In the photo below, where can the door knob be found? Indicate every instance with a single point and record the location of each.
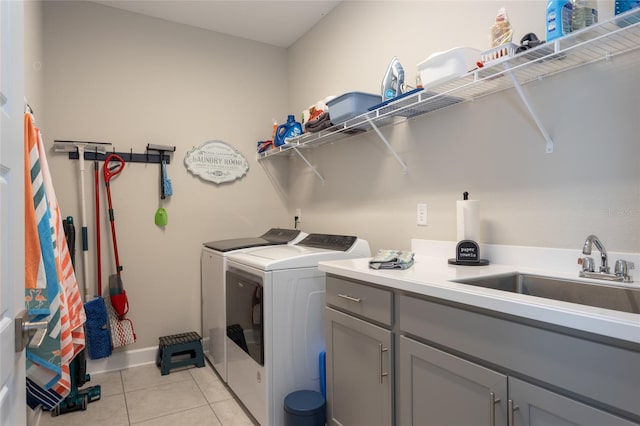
(25, 330)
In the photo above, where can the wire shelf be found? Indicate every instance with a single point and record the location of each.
(599, 42)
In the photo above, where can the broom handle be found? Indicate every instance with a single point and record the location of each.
(96, 177)
(113, 229)
(83, 221)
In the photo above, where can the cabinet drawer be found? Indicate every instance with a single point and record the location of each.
(363, 300)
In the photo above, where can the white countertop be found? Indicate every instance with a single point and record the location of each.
(431, 275)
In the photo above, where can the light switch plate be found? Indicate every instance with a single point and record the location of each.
(422, 214)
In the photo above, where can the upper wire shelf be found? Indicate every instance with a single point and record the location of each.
(601, 41)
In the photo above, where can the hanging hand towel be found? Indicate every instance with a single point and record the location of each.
(51, 291)
(41, 275)
(166, 182)
(67, 277)
(43, 297)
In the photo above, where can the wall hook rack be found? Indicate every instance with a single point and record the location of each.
(128, 157)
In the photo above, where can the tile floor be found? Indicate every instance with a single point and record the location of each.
(142, 396)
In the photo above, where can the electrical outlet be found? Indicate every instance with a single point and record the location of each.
(299, 214)
(422, 214)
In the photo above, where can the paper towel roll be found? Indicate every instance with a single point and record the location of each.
(468, 220)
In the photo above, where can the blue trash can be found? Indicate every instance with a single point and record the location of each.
(305, 408)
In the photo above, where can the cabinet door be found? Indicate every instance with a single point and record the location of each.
(359, 375)
(437, 388)
(534, 406)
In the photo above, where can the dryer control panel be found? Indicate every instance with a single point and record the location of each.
(329, 242)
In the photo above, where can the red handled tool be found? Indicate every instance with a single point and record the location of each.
(113, 166)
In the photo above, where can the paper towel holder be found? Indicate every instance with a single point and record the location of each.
(468, 254)
(467, 250)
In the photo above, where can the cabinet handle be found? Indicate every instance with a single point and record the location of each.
(382, 374)
(352, 299)
(511, 407)
(492, 408)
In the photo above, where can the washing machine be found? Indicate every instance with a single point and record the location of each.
(213, 261)
(275, 299)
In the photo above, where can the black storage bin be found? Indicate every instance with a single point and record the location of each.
(305, 408)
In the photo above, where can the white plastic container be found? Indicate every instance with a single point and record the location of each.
(444, 66)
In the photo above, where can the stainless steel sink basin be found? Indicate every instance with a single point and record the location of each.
(606, 296)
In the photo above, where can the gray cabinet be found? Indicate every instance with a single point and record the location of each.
(358, 372)
(460, 367)
(359, 355)
(437, 388)
(531, 405)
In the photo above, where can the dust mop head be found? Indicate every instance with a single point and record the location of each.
(97, 329)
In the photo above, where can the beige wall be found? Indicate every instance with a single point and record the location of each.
(123, 78)
(130, 80)
(489, 147)
(33, 57)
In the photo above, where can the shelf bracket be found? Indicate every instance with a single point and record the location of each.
(532, 112)
(389, 147)
(297, 151)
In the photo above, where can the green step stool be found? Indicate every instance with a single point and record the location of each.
(179, 345)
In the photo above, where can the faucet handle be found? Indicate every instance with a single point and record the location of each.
(587, 264)
(621, 268)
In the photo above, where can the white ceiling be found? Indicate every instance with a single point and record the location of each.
(279, 23)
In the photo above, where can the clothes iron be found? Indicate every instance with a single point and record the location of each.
(393, 81)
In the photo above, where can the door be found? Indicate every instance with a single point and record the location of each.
(359, 374)
(12, 363)
(245, 342)
(437, 388)
(245, 314)
(535, 406)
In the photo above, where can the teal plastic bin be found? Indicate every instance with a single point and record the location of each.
(305, 408)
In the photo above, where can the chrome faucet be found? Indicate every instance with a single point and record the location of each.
(621, 268)
(593, 240)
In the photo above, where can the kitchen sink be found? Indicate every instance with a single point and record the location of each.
(606, 296)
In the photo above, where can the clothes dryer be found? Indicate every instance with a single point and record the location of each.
(213, 262)
(275, 300)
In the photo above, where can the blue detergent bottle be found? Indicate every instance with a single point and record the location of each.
(558, 22)
(290, 129)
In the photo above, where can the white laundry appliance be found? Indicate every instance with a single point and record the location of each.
(213, 260)
(275, 320)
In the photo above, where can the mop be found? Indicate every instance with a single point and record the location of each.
(96, 326)
(122, 332)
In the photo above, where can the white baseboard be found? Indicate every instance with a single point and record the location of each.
(120, 360)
